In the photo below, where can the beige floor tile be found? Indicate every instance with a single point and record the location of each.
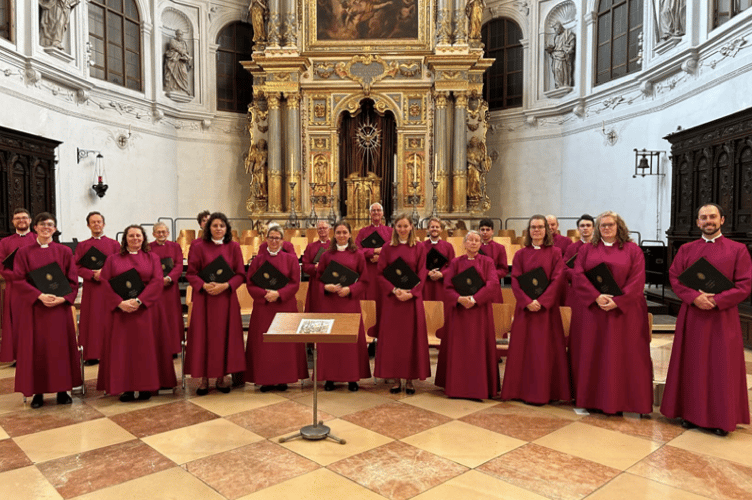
(315, 485)
(327, 451)
(201, 440)
(602, 446)
(3, 434)
(339, 403)
(478, 486)
(630, 487)
(6, 371)
(737, 446)
(453, 408)
(77, 438)
(560, 410)
(27, 483)
(12, 402)
(450, 441)
(237, 401)
(749, 381)
(173, 483)
(110, 405)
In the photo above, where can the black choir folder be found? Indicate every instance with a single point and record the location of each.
(167, 265)
(317, 258)
(603, 281)
(269, 277)
(8, 261)
(338, 274)
(93, 259)
(570, 262)
(399, 274)
(534, 282)
(702, 275)
(217, 271)
(128, 284)
(468, 282)
(50, 279)
(374, 240)
(435, 259)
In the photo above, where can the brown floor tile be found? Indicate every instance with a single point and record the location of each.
(49, 416)
(11, 456)
(516, 421)
(93, 470)
(657, 428)
(162, 418)
(396, 420)
(549, 473)
(397, 470)
(8, 386)
(249, 468)
(749, 367)
(277, 419)
(702, 474)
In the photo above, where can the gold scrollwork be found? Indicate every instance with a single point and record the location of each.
(409, 70)
(414, 109)
(356, 70)
(323, 70)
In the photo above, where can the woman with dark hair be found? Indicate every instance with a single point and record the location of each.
(132, 359)
(47, 358)
(273, 365)
(215, 335)
(537, 370)
(610, 339)
(343, 362)
(402, 350)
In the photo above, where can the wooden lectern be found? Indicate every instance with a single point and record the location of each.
(314, 328)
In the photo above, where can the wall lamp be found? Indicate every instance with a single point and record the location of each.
(99, 186)
(647, 163)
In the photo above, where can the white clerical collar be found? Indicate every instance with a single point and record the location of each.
(23, 234)
(536, 247)
(342, 248)
(273, 253)
(96, 237)
(160, 244)
(323, 242)
(43, 245)
(133, 253)
(403, 242)
(435, 242)
(607, 243)
(711, 240)
(218, 242)
(584, 242)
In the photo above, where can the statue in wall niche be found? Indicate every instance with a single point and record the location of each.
(672, 14)
(54, 21)
(474, 13)
(562, 55)
(478, 165)
(255, 164)
(178, 62)
(259, 14)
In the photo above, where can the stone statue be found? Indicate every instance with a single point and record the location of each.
(177, 64)
(54, 21)
(259, 14)
(474, 13)
(477, 167)
(255, 164)
(562, 55)
(672, 14)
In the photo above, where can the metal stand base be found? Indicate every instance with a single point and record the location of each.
(313, 433)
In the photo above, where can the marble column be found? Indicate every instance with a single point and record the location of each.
(444, 22)
(460, 23)
(292, 154)
(273, 25)
(275, 153)
(442, 164)
(291, 25)
(459, 174)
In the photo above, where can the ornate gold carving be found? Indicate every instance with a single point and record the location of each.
(415, 143)
(414, 109)
(323, 70)
(459, 198)
(293, 100)
(275, 191)
(358, 70)
(478, 165)
(361, 193)
(460, 99)
(319, 110)
(273, 99)
(450, 75)
(320, 143)
(255, 165)
(441, 99)
(409, 70)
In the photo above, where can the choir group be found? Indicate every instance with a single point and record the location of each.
(131, 318)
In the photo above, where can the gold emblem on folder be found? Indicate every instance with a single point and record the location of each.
(535, 282)
(700, 276)
(335, 274)
(399, 272)
(266, 275)
(599, 279)
(128, 284)
(48, 276)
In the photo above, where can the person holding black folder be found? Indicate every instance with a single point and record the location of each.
(402, 350)
(610, 339)
(469, 347)
(273, 365)
(439, 255)
(215, 336)
(342, 362)
(706, 384)
(498, 254)
(131, 356)
(366, 240)
(311, 259)
(171, 261)
(90, 256)
(22, 237)
(537, 370)
(48, 359)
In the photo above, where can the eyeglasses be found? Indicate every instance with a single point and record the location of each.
(273, 238)
(46, 224)
(23, 217)
(608, 225)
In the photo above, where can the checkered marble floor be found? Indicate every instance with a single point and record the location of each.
(424, 446)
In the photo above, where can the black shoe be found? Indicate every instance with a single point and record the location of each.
(409, 391)
(395, 389)
(37, 401)
(144, 395)
(91, 362)
(12, 365)
(223, 389)
(372, 349)
(282, 387)
(63, 398)
(352, 386)
(328, 385)
(202, 391)
(720, 432)
(687, 424)
(174, 355)
(266, 388)
(127, 397)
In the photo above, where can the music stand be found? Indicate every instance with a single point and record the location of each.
(289, 327)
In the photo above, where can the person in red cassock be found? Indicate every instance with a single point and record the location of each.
(585, 227)
(273, 365)
(402, 350)
(610, 339)
(560, 242)
(537, 370)
(372, 259)
(706, 384)
(343, 362)
(174, 327)
(92, 322)
(310, 268)
(214, 345)
(498, 254)
(472, 370)
(47, 356)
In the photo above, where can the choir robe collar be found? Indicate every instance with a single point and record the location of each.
(711, 240)
(23, 234)
(607, 243)
(42, 245)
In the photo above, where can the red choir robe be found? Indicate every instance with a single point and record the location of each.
(312, 296)
(402, 349)
(570, 252)
(9, 344)
(47, 356)
(706, 383)
(343, 362)
(373, 292)
(92, 327)
(562, 242)
(472, 369)
(170, 300)
(272, 363)
(434, 290)
(610, 350)
(132, 359)
(498, 255)
(537, 370)
(214, 345)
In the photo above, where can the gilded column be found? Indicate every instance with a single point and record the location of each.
(443, 23)
(273, 26)
(459, 174)
(293, 155)
(460, 23)
(275, 153)
(291, 25)
(442, 165)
